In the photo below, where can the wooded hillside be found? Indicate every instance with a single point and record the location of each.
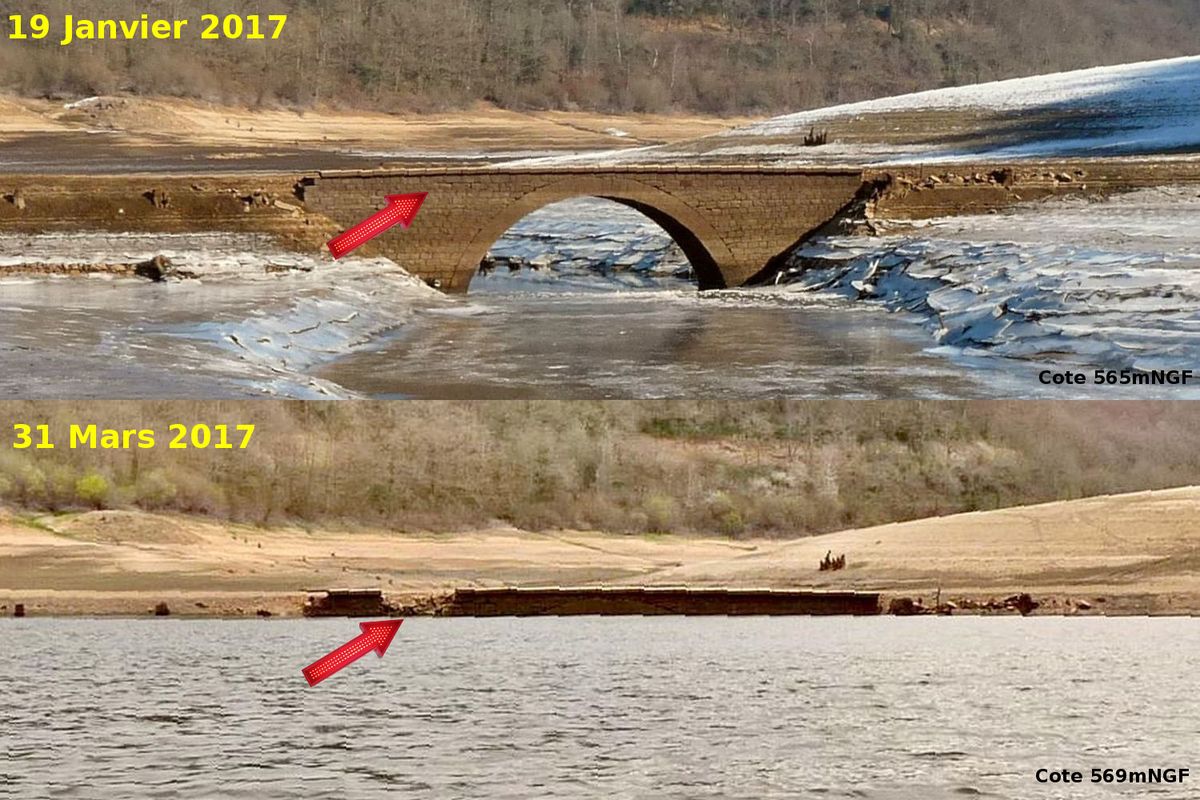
(764, 468)
(708, 56)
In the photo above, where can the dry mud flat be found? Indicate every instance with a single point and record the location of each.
(115, 135)
(1128, 554)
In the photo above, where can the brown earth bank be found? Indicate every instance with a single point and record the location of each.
(1116, 555)
(483, 128)
(119, 135)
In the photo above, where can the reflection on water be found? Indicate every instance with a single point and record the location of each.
(590, 707)
(666, 342)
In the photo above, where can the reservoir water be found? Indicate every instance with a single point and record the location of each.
(874, 708)
(595, 341)
(259, 322)
(589, 299)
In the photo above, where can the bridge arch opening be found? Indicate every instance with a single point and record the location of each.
(588, 242)
(564, 216)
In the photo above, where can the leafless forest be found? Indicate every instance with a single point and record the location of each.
(706, 56)
(737, 469)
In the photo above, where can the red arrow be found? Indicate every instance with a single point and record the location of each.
(401, 210)
(375, 636)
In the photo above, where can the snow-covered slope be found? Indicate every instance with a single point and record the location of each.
(1148, 108)
(1149, 89)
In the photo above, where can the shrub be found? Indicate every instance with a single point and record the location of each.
(154, 490)
(92, 489)
(661, 511)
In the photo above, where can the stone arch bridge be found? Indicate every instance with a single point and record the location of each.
(731, 222)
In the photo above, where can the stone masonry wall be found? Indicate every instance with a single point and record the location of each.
(941, 190)
(730, 221)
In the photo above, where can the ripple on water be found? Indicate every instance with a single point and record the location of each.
(663, 707)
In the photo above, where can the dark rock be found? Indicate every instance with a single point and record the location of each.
(262, 612)
(19, 610)
(159, 198)
(157, 269)
(815, 138)
(259, 198)
(906, 607)
(162, 610)
(1024, 603)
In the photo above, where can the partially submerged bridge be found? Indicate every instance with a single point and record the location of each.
(731, 222)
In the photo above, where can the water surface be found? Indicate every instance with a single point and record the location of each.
(600, 306)
(596, 707)
(670, 341)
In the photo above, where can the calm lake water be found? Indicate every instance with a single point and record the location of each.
(914, 709)
(595, 342)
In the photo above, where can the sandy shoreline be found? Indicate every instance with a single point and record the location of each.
(1122, 555)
